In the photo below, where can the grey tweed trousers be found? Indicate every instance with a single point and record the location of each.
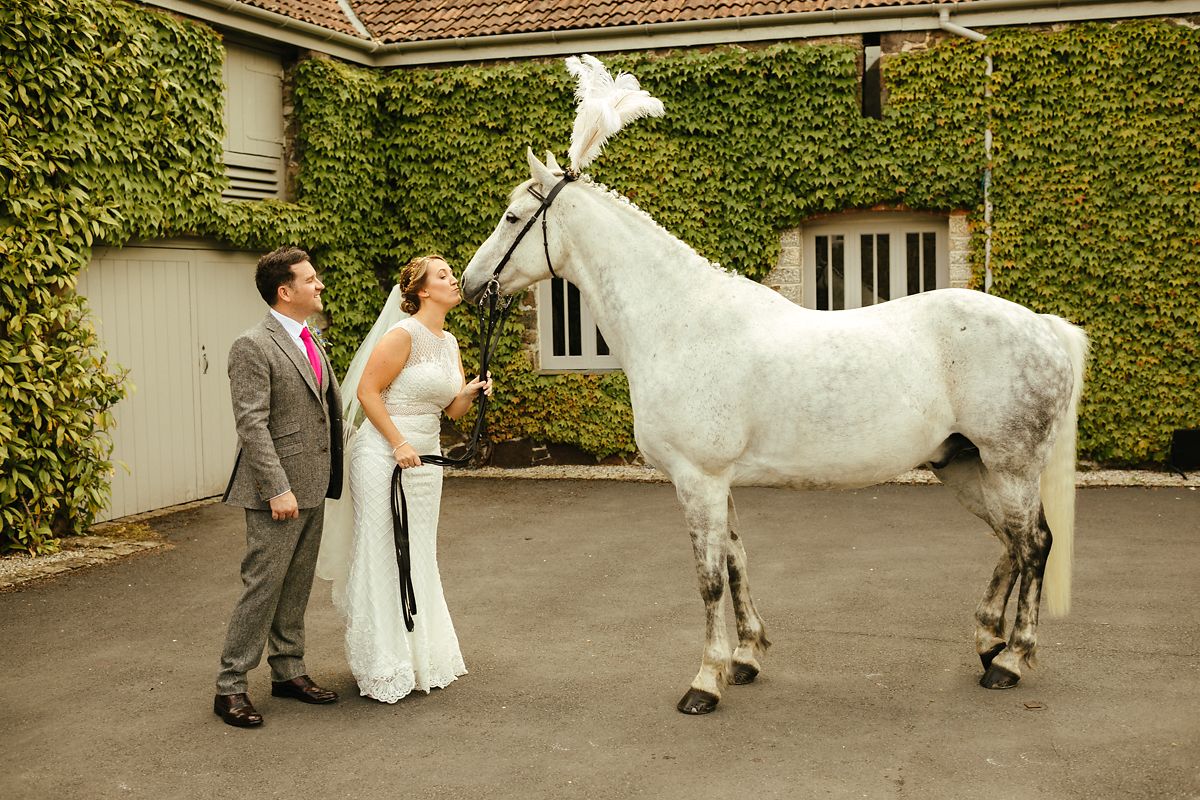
(277, 576)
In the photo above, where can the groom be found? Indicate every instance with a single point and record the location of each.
(287, 408)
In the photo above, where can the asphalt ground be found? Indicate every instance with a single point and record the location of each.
(577, 609)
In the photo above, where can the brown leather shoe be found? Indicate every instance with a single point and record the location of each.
(303, 689)
(236, 710)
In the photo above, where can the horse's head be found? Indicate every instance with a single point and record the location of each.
(519, 236)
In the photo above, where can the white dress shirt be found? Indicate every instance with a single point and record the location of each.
(293, 328)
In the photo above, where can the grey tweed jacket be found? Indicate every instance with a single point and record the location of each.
(289, 428)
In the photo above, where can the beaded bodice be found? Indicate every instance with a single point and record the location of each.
(431, 377)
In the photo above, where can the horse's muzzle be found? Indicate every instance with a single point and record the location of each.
(471, 291)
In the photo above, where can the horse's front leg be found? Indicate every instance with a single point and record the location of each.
(752, 635)
(704, 509)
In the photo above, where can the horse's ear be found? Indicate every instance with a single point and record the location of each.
(538, 170)
(552, 163)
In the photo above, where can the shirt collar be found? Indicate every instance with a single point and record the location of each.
(290, 325)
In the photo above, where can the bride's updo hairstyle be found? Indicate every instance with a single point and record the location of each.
(412, 278)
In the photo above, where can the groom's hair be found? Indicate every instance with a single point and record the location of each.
(275, 270)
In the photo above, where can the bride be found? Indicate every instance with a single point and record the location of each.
(406, 372)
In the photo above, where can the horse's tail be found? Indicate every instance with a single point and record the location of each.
(1058, 478)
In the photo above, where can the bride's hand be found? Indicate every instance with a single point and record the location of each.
(473, 387)
(406, 456)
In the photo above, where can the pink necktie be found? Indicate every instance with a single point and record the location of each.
(313, 359)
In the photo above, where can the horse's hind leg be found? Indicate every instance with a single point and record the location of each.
(1009, 502)
(704, 509)
(752, 635)
(964, 475)
(1023, 524)
(989, 616)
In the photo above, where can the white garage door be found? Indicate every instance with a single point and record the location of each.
(169, 315)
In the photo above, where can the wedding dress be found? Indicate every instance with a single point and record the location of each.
(387, 660)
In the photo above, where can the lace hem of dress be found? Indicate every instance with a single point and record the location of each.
(395, 687)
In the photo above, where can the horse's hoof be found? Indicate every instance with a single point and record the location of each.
(987, 657)
(997, 677)
(697, 701)
(743, 674)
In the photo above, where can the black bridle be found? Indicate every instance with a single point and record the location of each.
(491, 310)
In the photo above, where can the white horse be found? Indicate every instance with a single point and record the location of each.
(731, 384)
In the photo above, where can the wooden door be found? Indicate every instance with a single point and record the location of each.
(169, 315)
(228, 305)
(142, 307)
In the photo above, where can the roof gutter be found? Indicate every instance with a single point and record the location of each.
(255, 21)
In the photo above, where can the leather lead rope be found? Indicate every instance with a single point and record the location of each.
(408, 596)
(491, 324)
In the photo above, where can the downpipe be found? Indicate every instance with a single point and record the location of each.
(945, 24)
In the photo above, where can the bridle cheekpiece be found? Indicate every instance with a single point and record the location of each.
(493, 285)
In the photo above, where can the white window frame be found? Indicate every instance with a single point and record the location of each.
(897, 226)
(588, 360)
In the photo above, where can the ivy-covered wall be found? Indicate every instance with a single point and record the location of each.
(110, 131)
(1097, 178)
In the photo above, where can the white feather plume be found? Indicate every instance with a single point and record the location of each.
(605, 105)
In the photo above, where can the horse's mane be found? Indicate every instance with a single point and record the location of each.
(615, 196)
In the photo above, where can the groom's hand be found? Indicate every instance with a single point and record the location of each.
(284, 507)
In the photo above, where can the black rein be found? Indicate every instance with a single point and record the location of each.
(491, 323)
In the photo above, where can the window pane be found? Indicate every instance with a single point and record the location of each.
(866, 245)
(557, 302)
(575, 337)
(929, 257)
(822, 273)
(884, 280)
(837, 280)
(568, 338)
(912, 242)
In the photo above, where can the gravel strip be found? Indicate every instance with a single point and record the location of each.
(1099, 477)
(84, 551)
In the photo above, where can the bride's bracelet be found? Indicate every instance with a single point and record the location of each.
(397, 447)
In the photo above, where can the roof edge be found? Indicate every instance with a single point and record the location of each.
(254, 21)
